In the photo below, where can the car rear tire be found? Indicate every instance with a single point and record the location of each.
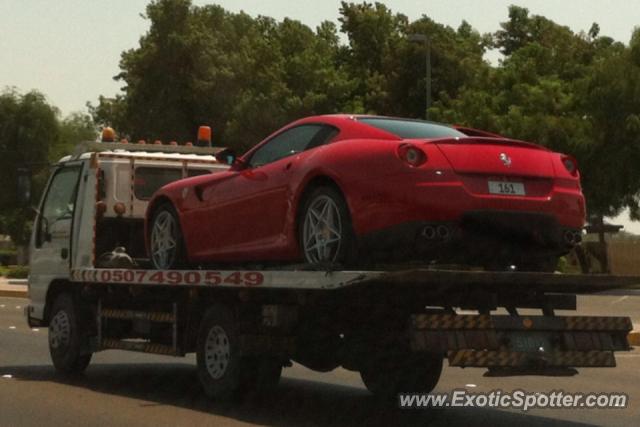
(65, 337)
(166, 242)
(326, 232)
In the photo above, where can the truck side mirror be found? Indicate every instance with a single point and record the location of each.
(24, 187)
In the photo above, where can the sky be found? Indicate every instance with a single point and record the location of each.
(69, 50)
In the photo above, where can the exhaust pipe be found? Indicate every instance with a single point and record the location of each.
(577, 238)
(443, 231)
(429, 232)
(569, 237)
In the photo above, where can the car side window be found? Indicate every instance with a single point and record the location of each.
(292, 141)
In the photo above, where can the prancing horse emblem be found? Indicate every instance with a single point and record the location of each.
(506, 160)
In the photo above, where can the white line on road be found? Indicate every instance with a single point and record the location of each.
(620, 299)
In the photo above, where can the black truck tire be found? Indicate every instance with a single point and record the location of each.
(223, 372)
(65, 337)
(388, 373)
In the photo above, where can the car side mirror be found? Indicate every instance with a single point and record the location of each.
(226, 156)
(24, 187)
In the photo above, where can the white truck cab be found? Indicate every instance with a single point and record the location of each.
(95, 202)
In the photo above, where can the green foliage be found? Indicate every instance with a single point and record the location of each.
(31, 136)
(245, 77)
(7, 257)
(28, 127)
(75, 128)
(18, 272)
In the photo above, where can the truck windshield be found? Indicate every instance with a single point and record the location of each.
(60, 200)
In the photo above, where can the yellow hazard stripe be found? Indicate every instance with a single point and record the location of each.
(123, 314)
(598, 323)
(452, 321)
(140, 347)
(485, 358)
(634, 338)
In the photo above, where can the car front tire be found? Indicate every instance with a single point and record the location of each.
(166, 241)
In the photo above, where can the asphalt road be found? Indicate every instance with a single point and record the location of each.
(132, 389)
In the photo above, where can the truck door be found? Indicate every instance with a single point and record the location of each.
(51, 241)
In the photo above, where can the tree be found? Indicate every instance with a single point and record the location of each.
(206, 66)
(28, 126)
(75, 128)
(612, 101)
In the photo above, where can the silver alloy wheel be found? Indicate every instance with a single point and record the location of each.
(217, 352)
(322, 230)
(164, 240)
(60, 331)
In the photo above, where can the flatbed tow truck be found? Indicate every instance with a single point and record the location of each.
(393, 327)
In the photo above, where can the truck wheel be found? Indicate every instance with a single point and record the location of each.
(390, 374)
(166, 243)
(326, 233)
(65, 337)
(222, 371)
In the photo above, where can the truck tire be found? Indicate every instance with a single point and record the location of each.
(325, 234)
(386, 375)
(223, 373)
(166, 242)
(65, 337)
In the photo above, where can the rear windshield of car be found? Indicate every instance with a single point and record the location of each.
(408, 129)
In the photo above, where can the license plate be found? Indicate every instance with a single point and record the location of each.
(531, 341)
(506, 188)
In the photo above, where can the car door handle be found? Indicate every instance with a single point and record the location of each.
(287, 166)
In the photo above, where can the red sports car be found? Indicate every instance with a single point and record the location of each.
(356, 189)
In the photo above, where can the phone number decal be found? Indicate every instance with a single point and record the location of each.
(210, 278)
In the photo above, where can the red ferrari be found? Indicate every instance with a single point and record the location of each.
(356, 189)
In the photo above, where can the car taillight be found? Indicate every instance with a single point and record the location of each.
(412, 155)
(570, 164)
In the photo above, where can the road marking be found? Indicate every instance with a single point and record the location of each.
(620, 299)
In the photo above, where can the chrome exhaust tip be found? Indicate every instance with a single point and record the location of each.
(569, 237)
(429, 232)
(443, 232)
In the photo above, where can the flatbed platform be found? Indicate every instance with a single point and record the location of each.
(329, 280)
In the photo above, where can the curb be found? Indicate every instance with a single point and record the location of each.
(18, 293)
(14, 291)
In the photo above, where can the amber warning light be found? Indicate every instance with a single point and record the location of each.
(204, 136)
(108, 135)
